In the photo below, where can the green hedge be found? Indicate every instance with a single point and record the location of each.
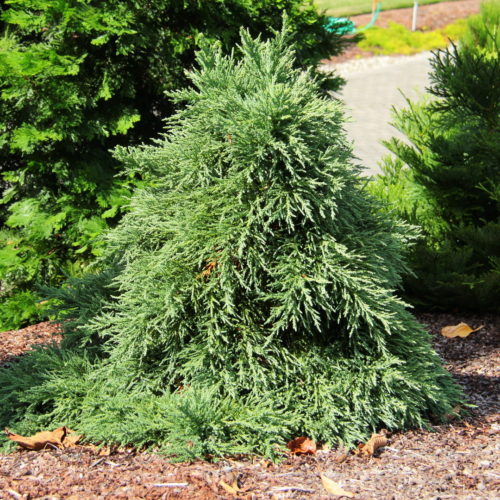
(77, 79)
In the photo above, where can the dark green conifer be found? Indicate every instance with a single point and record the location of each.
(252, 298)
(78, 78)
(446, 177)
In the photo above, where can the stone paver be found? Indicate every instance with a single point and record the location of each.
(373, 87)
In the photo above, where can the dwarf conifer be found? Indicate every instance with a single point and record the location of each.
(252, 294)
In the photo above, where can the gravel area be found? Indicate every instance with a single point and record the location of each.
(430, 17)
(458, 460)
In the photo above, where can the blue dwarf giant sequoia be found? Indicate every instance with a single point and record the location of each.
(248, 295)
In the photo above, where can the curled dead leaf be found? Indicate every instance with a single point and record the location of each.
(341, 455)
(461, 330)
(334, 488)
(231, 489)
(372, 445)
(302, 446)
(207, 270)
(101, 451)
(105, 451)
(62, 437)
(71, 439)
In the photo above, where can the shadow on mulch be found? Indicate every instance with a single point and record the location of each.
(482, 391)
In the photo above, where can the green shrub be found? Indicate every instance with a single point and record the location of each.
(396, 39)
(447, 178)
(251, 294)
(78, 78)
(22, 307)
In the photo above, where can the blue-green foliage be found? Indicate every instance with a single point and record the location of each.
(446, 178)
(251, 297)
(78, 78)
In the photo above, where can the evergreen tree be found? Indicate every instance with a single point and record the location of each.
(76, 79)
(446, 178)
(250, 295)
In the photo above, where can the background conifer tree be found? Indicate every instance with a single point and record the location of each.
(446, 178)
(78, 78)
(251, 296)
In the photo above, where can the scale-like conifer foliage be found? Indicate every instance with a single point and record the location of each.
(252, 295)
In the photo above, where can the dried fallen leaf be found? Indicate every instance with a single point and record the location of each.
(341, 455)
(460, 330)
(207, 270)
(232, 489)
(302, 446)
(40, 440)
(372, 445)
(335, 488)
(101, 451)
(71, 438)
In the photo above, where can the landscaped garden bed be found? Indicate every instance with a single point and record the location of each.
(248, 299)
(458, 460)
(431, 17)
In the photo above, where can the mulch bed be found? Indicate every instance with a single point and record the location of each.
(453, 461)
(430, 17)
(16, 342)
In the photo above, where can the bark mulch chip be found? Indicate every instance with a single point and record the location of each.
(16, 342)
(458, 460)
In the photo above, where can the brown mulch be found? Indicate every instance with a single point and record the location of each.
(453, 461)
(16, 342)
(430, 17)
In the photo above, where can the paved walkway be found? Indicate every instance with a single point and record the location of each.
(373, 87)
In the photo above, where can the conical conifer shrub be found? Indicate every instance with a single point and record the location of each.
(252, 294)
